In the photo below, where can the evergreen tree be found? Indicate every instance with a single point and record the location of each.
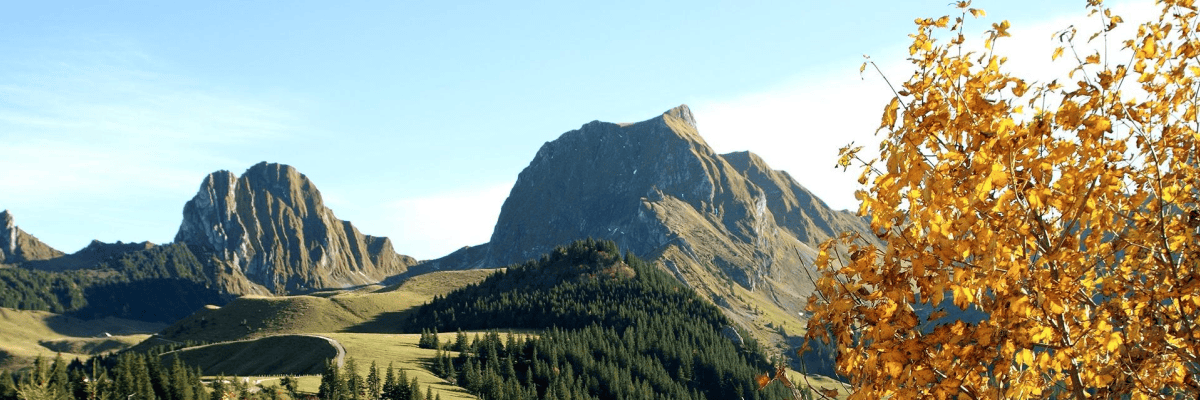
(355, 386)
(374, 384)
(332, 386)
(291, 385)
(389, 383)
(180, 388)
(59, 379)
(460, 341)
(400, 387)
(414, 390)
(8, 386)
(242, 388)
(220, 389)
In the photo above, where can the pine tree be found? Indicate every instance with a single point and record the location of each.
(332, 386)
(219, 389)
(414, 390)
(179, 385)
(374, 384)
(400, 388)
(59, 379)
(460, 341)
(389, 383)
(355, 387)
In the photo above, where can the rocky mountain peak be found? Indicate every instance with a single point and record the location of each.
(16, 246)
(271, 231)
(684, 114)
(658, 190)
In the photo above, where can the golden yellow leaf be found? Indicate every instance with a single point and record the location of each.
(1058, 52)
(1114, 341)
(889, 114)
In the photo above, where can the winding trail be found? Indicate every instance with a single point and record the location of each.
(341, 351)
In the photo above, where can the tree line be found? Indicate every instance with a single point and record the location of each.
(116, 286)
(347, 384)
(612, 327)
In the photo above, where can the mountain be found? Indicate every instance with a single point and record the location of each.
(726, 225)
(16, 246)
(95, 253)
(269, 232)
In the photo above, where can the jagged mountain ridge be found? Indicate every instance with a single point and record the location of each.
(16, 246)
(270, 233)
(657, 189)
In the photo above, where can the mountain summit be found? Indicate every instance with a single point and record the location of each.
(270, 232)
(16, 246)
(717, 222)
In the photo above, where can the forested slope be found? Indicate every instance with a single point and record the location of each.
(612, 327)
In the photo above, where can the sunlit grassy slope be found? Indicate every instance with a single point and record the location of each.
(365, 310)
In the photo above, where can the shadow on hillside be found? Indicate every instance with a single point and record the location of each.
(386, 322)
(74, 326)
(163, 300)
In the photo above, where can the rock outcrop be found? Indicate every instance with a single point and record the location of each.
(16, 246)
(269, 232)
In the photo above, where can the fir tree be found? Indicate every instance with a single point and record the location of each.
(332, 386)
(219, 389)
(374, 384)
(355, 386)
(389, 383)
(414, 390)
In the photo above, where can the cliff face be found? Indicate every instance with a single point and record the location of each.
(657, 189)
(269, 231)
(17, 247)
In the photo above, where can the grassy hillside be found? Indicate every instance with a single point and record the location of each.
(25, 334)
(289, 354)
(364, 310)
(403, 351)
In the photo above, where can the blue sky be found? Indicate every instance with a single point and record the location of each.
(415, 119)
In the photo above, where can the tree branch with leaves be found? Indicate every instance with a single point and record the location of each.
(1065, 216)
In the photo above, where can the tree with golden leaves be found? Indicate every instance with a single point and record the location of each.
(1064, 217)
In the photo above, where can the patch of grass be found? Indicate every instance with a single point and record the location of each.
(25, 334)
(819, 382)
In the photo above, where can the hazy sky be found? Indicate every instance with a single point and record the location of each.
(414, 120)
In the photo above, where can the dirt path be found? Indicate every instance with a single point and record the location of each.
(341, 351)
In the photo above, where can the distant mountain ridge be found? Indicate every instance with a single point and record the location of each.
(270, 233)
(16, 246)
(265, 232)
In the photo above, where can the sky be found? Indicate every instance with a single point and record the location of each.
(414, 118)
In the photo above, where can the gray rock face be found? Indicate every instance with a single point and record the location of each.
(271, 233)
(657, 189)
(16, 246)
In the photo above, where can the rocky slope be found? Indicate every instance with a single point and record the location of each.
(727, 225)
(269, 232)
(16, 246)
